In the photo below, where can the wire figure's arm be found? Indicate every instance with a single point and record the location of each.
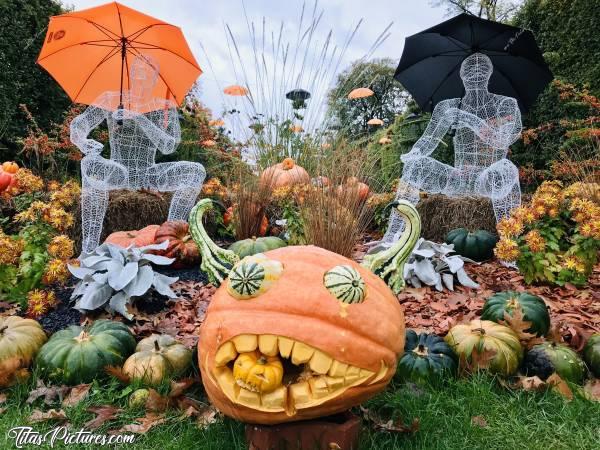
(500, 133)
(84, 123)
(166, 138)
(440, 123)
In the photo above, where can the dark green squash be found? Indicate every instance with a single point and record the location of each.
(252, 246)
(545, 359)
(478, 246)
(427, 358)
(591, 354)
(533, 307)
(78, 355)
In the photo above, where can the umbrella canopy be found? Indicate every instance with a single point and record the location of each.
(89, 52)
(430, 65)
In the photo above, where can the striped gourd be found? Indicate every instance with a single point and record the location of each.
(216, 262)
(345, 283)
(253, 276)
(389, 264)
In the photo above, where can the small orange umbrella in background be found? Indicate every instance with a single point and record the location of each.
(236, 90)
(90, 51)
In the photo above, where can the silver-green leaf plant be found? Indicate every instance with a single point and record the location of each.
(436, 265)
(112, 277)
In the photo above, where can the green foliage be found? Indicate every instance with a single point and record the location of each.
(498, 10)
(388, 101)
(22, 32)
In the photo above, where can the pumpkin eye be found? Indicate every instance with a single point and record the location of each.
(253, 276)
(345, 283)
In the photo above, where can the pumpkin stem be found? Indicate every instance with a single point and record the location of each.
(421, 350)
(262, 360)
(82, 336)
(156, 346)
(3, 329)
(478, 330)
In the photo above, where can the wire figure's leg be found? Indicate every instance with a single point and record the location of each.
(500, 182)
(184, 179)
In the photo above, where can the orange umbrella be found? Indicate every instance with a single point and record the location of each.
(236, 90)
(90, 51)
(360, 93)
(375, 121)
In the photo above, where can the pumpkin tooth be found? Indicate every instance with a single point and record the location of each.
(249, 398)
(245, 343)
(300, 393)
(225, 354)
(334, 383)
(301, 353)
(285, 347)
(227, 383)
(320, 362)
(381, 374)
(338, 369)
(352, 374)
(275, 399)
(267, 344)
(318, 387)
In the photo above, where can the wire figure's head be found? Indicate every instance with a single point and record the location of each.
(142, 76)
(476, 71)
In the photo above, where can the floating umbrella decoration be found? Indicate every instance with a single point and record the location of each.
(385, 140)
(208, 143)
(360, 93)
(216, 123)
(375, 122)
(236, 90)
(298, 97)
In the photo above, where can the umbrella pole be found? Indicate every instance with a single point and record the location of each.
(123, 56)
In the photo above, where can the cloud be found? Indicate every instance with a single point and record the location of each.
(203, 24)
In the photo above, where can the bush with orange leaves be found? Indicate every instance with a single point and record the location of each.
(35, 252)
(556, 237)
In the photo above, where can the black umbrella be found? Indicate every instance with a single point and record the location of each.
(430, 64)
(298, 96)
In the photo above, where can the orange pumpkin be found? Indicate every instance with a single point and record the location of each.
(353, 184)
(137, 238)
(264, 226)
(228, 216)
(10, 167)
(285, 173)
(336, 327)
(264, 223)
(5, 180)
(181, 245)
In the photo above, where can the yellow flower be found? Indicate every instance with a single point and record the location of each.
(509, 227)
(53, 185)
(570, 262)
(58, 218)
(507, 250)
(56, 272)
(10, 249)
(61, 247)
(553, 212)
(535, 241)
(39, 303)
(586, 230)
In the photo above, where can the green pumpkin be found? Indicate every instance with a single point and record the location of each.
(248, 247)
(591, 354)
(427, 358)
(78, 355)
(533, 307)
(345, 283)
(545, 359)
(478, 246)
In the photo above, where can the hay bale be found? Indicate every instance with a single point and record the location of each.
(127, 210)
(440, 214)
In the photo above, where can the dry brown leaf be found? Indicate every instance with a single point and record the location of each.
(78, 393)
(479, 421)
(145, 423)
(591, 390)
(560, 386)
(103, 414)
(334, 446)
(207, 417)
(117, 372)
(389, 425)
(519, 325)
(50, 393)
(179, 387)
(42, 416)
(156, 402)
(479, 360)
(3, 398)
(534, 383)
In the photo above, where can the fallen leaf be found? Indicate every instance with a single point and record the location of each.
(534, 383)
(12, 371)
(479, 360)
(334, 446)
(145, 423)
(50, 393)
(103, 414)
(179, 387)
(479, 421)
(560, 386)
(3, 398)
(117, 372)
(156, 402)
(77, 394)
(207, 417)
(592, 390)
(389, 425)
(41, 416)
(519, 325)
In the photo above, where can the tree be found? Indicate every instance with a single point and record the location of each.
(498, 10)
(389, 100)
(22, 31)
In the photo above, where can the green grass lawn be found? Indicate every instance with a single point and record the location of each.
(515, 420)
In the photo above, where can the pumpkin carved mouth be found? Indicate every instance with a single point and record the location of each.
(311, 377)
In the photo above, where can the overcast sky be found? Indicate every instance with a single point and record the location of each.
(203, 23)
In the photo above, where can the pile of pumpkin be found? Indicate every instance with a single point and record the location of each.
(80, 354)
(8, 170)
(491, 344)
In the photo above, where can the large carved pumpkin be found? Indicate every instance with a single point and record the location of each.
(334, 327)
(285, 173)
(137, 238)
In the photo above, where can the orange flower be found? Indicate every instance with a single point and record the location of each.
(507, 250)
(535, 241)
(56, 272)
(510, 227)
(61, 247)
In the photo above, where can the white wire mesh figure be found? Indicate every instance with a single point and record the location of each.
(135, 134)
(486, 125)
